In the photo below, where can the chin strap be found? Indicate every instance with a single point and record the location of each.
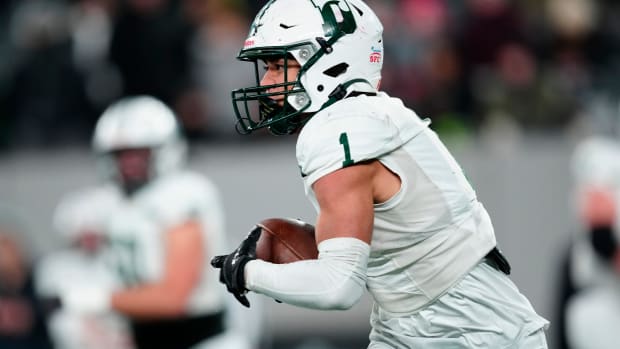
(340, 92)
(270, 108)
(286, 126)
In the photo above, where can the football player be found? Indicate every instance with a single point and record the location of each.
(396, 214)
(79, 219)
(590, 292)
(167, 225)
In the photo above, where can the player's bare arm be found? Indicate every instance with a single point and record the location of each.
(183, 266)
(344, 231)
(346, 198)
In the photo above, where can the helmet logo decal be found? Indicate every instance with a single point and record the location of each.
(248, 43)
(254, 28)
(257, 21)
(337, 13)
(375, 55)
(337, 17)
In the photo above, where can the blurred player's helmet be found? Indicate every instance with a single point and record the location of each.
(596, 162)
(338, 44)
(141, 122)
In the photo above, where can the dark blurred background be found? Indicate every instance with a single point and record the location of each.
(471, 66)
(510, 85)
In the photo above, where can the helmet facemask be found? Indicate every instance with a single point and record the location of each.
(332, 43)
(257, 108)
(134, 168)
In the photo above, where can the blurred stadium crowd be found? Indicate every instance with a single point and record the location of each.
(474, 65)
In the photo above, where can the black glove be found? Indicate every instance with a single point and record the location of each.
(232, 266)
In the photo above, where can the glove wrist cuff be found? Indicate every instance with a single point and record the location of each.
(241, 274)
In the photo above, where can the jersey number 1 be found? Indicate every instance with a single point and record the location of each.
(344, 140)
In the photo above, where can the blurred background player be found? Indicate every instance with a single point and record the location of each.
(167, 225)
(589, 307)
(79, 219)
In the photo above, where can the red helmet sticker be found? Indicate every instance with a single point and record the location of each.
(375, 55)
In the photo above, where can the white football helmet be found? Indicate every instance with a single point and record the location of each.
(596, 162)
(140, 122)
(338, 44)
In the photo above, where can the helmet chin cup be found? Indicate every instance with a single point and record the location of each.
(272, 113)
(268, 108)
(130, 187)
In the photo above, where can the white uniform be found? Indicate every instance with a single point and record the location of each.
(64, 270)
(136, 233)
(592, 314)
(137, 238)
(83, 211)
(428, 236)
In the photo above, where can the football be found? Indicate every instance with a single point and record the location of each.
(285, 240)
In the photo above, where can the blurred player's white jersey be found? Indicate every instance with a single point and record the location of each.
(78, 213)
(68, 269)
(592, 318)
(434, 230)
(137, 239)
(137, 233)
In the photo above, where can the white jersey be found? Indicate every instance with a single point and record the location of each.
(80, 212)
(137, 233)
(434, 230)
(68, 269)
(592, 318)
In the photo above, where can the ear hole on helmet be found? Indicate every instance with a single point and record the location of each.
(336, 70)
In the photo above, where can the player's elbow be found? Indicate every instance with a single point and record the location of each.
(338, 304)
(344, 272)
(177, 306)
(169, 310)
(343, 297)
(174, 301)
